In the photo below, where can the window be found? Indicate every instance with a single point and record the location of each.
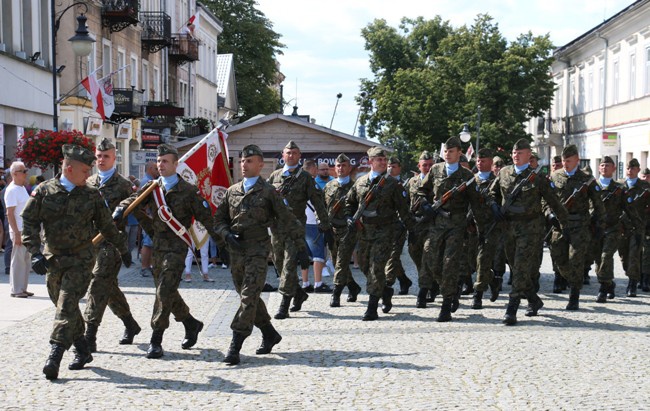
(581, 93)
(558, 101)
(134, 71)
(590, 96)
(156, 84)
(145, 80)
(601, 86)
(616, 80)
(632, 76)
(572, 90)
(106, 58)
(647, 71)
(121, 74)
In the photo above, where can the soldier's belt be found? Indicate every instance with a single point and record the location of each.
(253, 234)
(577, 217)
(68, 251)
(516, 210)
(522, 217)
(369, 213)
(376, 220)
(338, 222)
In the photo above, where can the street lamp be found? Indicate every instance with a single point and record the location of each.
(465, 135)
(338, 97)
(81, 46)
(363, 97)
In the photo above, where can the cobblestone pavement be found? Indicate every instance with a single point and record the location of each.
(328, 359)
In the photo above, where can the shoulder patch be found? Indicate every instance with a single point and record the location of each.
(597, 187)
(205, 204)
(552, 184)
(404, 193)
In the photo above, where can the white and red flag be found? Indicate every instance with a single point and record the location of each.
(101, 94)
(206, 166)
(470, 152)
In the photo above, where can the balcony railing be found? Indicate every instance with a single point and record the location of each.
(156, 30)
(119, 14)
(183, 49)
(163, 109)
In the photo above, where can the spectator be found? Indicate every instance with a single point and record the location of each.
(5, 238)
(151, 173)
(204, 263)
(16, 197)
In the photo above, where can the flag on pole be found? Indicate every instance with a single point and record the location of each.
(101, 94)
(470, 152)
(206, 166)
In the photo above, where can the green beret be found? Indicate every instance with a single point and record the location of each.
(498, 161)
(485, 153)
(342, 158)
(425, 156)
(463, 158)
(164, 149)
(646, 171)
(251, 150)
(291, 145)
(376, 152)
(570, 151)
(521, 144)
(105, 145)
(78, 153)
(558, 159)
(534, 154)
(394, 160)
(607, 160)
(452, 142)
(633, 163)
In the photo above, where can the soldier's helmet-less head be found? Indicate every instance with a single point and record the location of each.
(633, 163)
(291, 145)
(105, 145)
(165, 149)
(376, 152)
(342, 158)
(453, 142)
(251, 150)
(78, 153)
(570, 151)
(425, 156)
(485, 153)
(521, 144)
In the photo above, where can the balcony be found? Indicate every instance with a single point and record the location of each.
(119, 14)
(128, 104)
(183, 49)
(163, 109)
(156, 30)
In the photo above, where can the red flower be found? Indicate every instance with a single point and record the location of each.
(42, 149)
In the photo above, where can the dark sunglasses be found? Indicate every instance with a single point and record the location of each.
(22, 171)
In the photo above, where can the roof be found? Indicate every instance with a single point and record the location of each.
(226, 84)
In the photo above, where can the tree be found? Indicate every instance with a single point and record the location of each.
(429, 79)
(249, 36)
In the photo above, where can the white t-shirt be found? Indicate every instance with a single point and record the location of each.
(311, 216)
(16, 196)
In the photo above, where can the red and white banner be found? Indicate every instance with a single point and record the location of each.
(206, 166)
(470, 152)
(101, 94)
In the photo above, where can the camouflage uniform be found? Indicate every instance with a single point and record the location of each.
(486, 246)
(343, 243)
(104, 289)
(634, 222)
(69, 220)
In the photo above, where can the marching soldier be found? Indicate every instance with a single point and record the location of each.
(336, 192)
(447, 184)
(297, 187)
(613, 197)
(645, 261)
(559, 283)
(249, 208)
(104, 289)
(373, 200)
(172, 204)
(517, 192)
(69, 212)
(576, 190)
(629, 248)
(394, 268)
(499, 263)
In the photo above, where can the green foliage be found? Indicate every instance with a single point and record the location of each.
(249, 36)
(429, 79)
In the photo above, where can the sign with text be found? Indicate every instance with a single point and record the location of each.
(609, 143)
(150, 141)
(356, 159)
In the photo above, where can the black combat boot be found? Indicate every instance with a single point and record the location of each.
(335, 301)
(574, 300)
(534, 304)
(477, 303)
(371, 311)
(232, 357)
(557, 284)
(51, 368)
(455, 302)
(468, 286)
(130, 331)
(511, 311)
(270, 337)
(495, 286)
(585, 278)
(631, 288)
(611, 293)
(283, 310)
(445, 310)
(192, 329)
(82, 355)
(645, 282)
(155, 346)
(300, 297)
(404, 284)
(422, 298)
(433, 292)
(386, 303)
(353, 291)
(602, 293)
(91, 337)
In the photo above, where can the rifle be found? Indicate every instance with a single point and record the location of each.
(451, 193)
(370, 195)
(568, 203)
(337, 206)
(287, 184)
(512, 196)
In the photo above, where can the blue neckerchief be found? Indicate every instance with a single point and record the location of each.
(343, 180)
(249, 183)
(451, 168)
(422, 175)
(398, 178)
(105, 175)
(571, 173)
(374, 174)
(484, 175)
(286, 168)
(169, 182)
(67, 184)
(631, 182)
(604, 181)
(520, 169)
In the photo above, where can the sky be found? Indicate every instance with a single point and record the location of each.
(325, 53)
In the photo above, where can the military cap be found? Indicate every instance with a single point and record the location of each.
(646, 171)
(291, 145)
(452, 142)
(425, 156)
(534, 154)
(607, 159)
(394, 160)
(251, 150)
(521, 144)
(164, 149)
(463, 159)
(633, 163)
(78, 153)
(569, 151)
(342, 158)
(105, 145)
(558, 159)
(485, 153)
(376, 152)
(498, 161)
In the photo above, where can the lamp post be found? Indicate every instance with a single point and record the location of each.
(338, 97)
(81, 46)
(363, 97)
(465, 135)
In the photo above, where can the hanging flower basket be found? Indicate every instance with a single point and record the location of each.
(42, 148)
